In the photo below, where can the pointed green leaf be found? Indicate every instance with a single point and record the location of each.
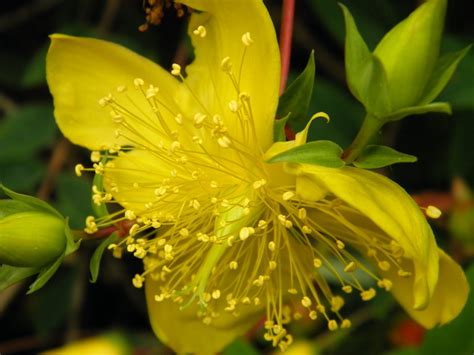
(366, 77)
(378, 156)
(34, 202)
(297, 96)
(10, 275)
(71, 244)
(94, 264)
(442, 73)
(324, 153)
(442, 107)
(45, 274)
(279, 134)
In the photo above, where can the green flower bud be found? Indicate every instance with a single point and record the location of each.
(31, 238)
(409, 53)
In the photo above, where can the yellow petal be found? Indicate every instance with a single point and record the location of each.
(388, 206)
(80, 71)
(184, 332)
(448, 298)
(225, 23)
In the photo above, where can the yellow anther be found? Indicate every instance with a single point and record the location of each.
(367, 295)
(121, 88)
(137, 82)
(259, 183)
(350, 267)
(199, 119)
(371, 253)
(168, 248)
(216, 294)
(175, 69)
(321, 308)
(159, 298)
(79, 168)
(385, 284)
(271, 246)
(95, 156)
(306, 302)
(292, 291)
(130, 215)
(256, 301)
(262, 224)
(384, 265)
(259, 281)
(207, 320)
(404, 273)
(347, 288)
(224, 141)
(138, 281)
(233, 106)
(151, 91)
(306, 230)
(313, 315)
(302, 213)
(317, 263)
(246, 39)
(433, 212)
(200, 31)
(179, 119)
(245, 232)
(272, 265)
(346, 323)
(233, 265)
(332, 325)
(336, 303)
(288, 195)
(226, 65)
(133, 230)
(91, 226)
(340, 245)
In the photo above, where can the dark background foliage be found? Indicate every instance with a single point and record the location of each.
(35, 159)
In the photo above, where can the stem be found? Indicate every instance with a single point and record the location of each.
(286, 34)
(370, 127)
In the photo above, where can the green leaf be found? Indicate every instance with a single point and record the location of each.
(279, 134)
(366, 75)
(35, 71)
(10, 275)
(378, 156)
(240, 347)
(8, 207)
(45, 274)
(442, 107)
(324, 153)
(297, 96)
(456, 337)
(23, 174)
(71, 244)
(94, 264)
(33, 202)
(442, 73)
(25, 130)
(74, 196)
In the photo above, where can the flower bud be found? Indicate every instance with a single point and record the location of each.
(31, 238)
(409, 53)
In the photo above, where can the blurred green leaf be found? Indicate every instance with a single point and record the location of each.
(240, 347)
(22, 175)
(73, 198)
(15, 62)
(35, 71)
(50, 307)
(297, 96)
(461, 151)
(379, 156)
(324, 153)
(94, 264)
(25, 130)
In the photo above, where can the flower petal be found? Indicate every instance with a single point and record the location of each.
(391, 209)
(80, 71)
(449, 297)
(184, 332)
(259, 70)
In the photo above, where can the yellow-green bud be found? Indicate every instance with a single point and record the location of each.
(31, 238)
(409, 53)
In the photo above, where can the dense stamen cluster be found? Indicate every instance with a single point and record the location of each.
(211, 227)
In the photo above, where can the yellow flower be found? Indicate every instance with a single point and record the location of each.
(226, 237)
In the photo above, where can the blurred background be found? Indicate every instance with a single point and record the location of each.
(35, 159)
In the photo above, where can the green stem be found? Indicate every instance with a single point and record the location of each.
(369, 128)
